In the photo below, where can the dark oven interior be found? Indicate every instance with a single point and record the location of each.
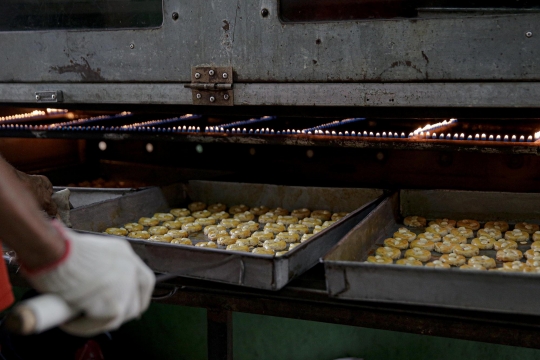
(111, 148)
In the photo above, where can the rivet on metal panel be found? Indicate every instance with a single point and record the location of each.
(211, 72)
(225, 75)
(226, 96)
(265, 12)
(132, 46)
(528, 34)
(198, 96)
(212, 99)
(53, 96)
(197, 75)
(175, 16)
(38, 97)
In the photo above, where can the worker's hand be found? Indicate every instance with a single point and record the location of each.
(42, 189)
(100, 276)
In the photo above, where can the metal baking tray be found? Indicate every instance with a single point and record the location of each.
(246, 269)
(349, 277)
(80, 196)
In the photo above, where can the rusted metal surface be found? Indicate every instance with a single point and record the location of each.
(212, 85)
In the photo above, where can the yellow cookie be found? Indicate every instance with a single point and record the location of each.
(414, 221)
(483, 242)
(404, 233)
(181, 241)
(116, 231)
(502, 226)
(419, 254)
(379, 259)
(509, 255)
(423, 244)
(445, 247)
(401, 244)
(492, 233)
(164, 216)
(527, 227)
(466, 250)
(472, 267)
(504, 244)
(411, 261)
(390, 252)
(453, 259)
(463, 231)
(180, 212)
(469, 224)
(438, 264)
(485, 261)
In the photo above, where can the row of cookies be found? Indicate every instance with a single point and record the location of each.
(493, 227)
(273, 233)
(441, 237)
(273, 230)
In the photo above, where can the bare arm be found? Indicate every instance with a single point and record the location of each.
(23, 226)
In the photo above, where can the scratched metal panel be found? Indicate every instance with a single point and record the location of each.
(501, 94)
(263, 49)
(258, 271)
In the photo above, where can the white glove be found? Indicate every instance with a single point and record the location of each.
(100, 276)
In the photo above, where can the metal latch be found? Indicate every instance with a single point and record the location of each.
(212, 85)
(49, 96)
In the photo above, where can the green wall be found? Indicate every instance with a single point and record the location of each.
(168, 332)
(177, 332)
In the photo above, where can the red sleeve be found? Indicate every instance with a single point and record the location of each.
(6, 294)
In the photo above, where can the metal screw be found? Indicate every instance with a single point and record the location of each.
(225, 75)
(197, 75)
(211, 72)
(528, 34)
(175, 16)
(212, 99)
(38, 97)
(198, 96)
(265, 12)
(226, 96)
(53, 96)
(132, 46)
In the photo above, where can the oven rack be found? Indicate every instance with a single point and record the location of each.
(512, 137)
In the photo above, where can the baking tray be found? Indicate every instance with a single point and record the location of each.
(349, 277)
(80, 196)
(246, 269)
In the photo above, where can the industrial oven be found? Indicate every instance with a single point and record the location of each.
(394, 94)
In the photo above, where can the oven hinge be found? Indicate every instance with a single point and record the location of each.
(211, 85)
